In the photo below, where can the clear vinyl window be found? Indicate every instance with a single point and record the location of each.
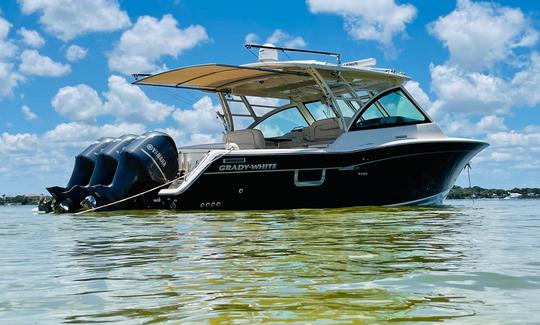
(393, 108)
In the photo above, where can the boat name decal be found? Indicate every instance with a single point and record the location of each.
(157, 154)
(247, 167)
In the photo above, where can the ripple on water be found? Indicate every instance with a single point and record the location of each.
(460, 262)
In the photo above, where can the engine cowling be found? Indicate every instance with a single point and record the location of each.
(127, 166)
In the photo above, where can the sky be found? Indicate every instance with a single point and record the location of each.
(66, 65)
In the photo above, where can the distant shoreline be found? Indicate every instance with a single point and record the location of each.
(477, 192)
(457, 192)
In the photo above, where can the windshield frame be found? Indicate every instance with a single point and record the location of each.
(374, 101)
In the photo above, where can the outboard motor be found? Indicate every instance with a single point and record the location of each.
(148, 161)
(127, 166)
(103, 173)
(84, 167)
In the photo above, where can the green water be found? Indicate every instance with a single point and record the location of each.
(461, 263)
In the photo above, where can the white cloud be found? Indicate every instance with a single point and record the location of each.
(513, 139)
(526, 83)
(377, 21)
(126, 102)
(480, 34)
(491, 123)
(149, 39)
(33, 63)
(280, 37)
(129, 102)
(201, 119)
(75, 53)
(28, 114)
(251, 38)
(67, 19)
(9, 78)
(78, 103)
(465, 92)
(5, 26)
(31, 37)
(21, 142)
(79, 134)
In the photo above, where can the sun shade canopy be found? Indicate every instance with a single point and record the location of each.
(288, 80)
(227, 78)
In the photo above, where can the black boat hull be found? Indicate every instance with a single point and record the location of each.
(406, 174)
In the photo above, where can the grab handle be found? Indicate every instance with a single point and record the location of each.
(318, 182)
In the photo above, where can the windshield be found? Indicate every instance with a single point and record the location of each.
(282, 122)
(393, 108)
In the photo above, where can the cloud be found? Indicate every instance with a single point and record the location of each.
(78, 103)
(31, 37)
(281, 37)
(75, 53)
(202, 118)
(491, 123)
(513, 139)
(129, 102)
(526, 83)
(123, 100)
(377, 21)
(67, 19)
(465, 92)
(28, 114)
(21, 142)
(9, 78)
(251, 38)
(79, 134)
(33, 63)
(149, 39)
(481, 34)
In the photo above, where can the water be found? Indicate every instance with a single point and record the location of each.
(462, 263)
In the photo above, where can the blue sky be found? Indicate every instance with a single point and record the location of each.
(65, 70)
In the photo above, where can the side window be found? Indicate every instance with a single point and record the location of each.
(282, 122)
(345, 109)
(392, 109)
(319, 111)
(397, 104)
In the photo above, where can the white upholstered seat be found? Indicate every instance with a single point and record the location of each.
(246, 139)
(325, 130)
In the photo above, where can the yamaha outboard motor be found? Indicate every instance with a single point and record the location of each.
(148, 161)
(83, 169)
(103, 173)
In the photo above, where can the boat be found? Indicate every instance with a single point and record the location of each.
(297, 134)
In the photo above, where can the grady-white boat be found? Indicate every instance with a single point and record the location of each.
(297, 134)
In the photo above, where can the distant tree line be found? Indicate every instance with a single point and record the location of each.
(20, 199)
(458, 192)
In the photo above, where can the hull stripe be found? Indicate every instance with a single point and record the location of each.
(331, 168)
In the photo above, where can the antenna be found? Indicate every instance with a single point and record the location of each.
(288, 49)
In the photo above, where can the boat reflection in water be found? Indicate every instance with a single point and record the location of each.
(370, 264)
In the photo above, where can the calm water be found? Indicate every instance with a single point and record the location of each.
(462, 263)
